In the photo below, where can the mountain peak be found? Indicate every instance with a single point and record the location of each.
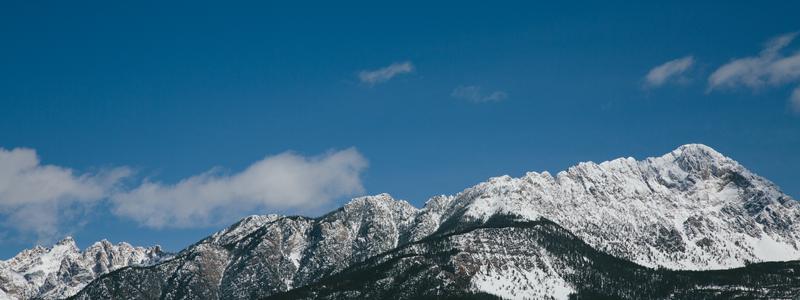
(379, 200)
(242, 228)
(697, 150)
(680, 197)
(382, 197)
(69, 242)
(61, 270)
(696, 160)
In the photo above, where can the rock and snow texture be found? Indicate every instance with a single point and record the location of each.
(62, 270)
(692, 208)
(263, 255)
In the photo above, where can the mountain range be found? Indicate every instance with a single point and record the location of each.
(692, 223)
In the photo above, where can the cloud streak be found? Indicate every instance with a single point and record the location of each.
(283, 181)
(475, 95)
(769, 67)
(372, 77)
(39, 199)
(665, 72)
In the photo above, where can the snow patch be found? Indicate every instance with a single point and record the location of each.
(521, 284)
(768, 248)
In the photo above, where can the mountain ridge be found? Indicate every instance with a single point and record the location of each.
(690, 209)
(679, 198)
(558, 265)
(63, 269)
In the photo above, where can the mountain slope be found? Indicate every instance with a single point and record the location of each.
(262, 255)
(62, 270)
(535, 260)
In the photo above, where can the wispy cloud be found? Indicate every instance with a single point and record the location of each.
(283, 181)
(474, 94)
(795, 100)
(46, 201)
(667, 71)
(372, 77)
(769, 67)
(41, 199)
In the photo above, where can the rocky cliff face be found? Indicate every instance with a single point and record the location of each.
(62, 270)
(691, 209)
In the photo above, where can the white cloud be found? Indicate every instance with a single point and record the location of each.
(283, 181)
(659, 75)
(372, 77)
(795, 100)
(38, 199)
(473, 94)
(769, 67)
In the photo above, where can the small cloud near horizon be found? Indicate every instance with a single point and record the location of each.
(769, 67)
(668, 71)
(373, 77)
(474, 94)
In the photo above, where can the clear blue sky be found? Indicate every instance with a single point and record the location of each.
(172, 90)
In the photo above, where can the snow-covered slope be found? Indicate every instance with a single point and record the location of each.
(263, 255)
(692, 208)
(62, 270)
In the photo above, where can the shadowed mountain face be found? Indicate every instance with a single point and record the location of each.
(608, 229)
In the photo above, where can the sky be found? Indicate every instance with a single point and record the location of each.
(160, 123)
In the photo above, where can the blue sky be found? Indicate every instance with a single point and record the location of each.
(413, 99)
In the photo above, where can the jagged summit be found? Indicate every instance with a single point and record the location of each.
(692, 208)
(67, 241)
(688, 158)
(373, 200)
(63, 269)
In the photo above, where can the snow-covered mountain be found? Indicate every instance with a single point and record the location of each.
(264, 255)
(691, 209)
(63, 269)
